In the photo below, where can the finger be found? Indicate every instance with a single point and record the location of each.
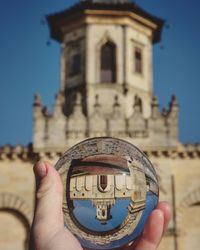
(48, 210)
(166, 208)
(153, 231)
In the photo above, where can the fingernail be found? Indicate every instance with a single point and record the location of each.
(40, 170)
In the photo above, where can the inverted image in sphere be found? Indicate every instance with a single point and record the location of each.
(110, 190)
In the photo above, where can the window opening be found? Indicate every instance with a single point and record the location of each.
(138, 60)
(108, 63)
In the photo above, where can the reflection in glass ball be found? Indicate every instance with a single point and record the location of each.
(110, 190)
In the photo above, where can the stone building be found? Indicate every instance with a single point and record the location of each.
(103, 186)
(106, 90)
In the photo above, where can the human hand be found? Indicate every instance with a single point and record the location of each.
(154, 229)
(48, 232)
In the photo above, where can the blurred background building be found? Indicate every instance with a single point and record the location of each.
(106, 90)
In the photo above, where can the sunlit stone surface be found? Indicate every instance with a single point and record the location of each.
(110, 190)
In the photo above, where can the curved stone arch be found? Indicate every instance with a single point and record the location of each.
(193, 198)
(107, 38)
(15, 203)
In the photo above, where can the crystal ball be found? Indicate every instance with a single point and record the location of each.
(110, 189)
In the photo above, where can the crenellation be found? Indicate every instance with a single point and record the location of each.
(97, 122)
(155, 111)
(7, 149)
(37, 100)
(27, 153)
(137, 124)
(38, 123)
(77, 123)
(172, 119)
(56, 126)
(157, 125)
(56, 129)
(116, 120)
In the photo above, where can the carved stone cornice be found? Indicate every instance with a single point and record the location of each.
(26, 153)
(187, 151)
(12, 153)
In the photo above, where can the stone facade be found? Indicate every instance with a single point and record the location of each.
(87, 106)
(109, 187)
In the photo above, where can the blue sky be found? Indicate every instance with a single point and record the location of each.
(85, 214)
(28, 65)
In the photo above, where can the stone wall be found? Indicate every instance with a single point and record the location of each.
(178, 172)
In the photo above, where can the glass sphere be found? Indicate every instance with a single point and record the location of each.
(110, 189)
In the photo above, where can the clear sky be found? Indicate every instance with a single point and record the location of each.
(28, 65)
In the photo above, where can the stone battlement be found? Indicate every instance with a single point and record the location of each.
(26, 153)
(58, 131)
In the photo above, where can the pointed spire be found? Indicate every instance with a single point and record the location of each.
(173, 108)
(173, 102)
(172, 119)
(137, 105)
(37, 106)
(116, 101)
(155, 101)
(116, 121)
(97, 123)
(155, 107)
(116, 106)
(58, 104)
(45, 111)
(77, 123)
(37, 100)
(58, 100)
(136, 123)
(97, 105)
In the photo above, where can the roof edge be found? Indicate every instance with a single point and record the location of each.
(54, 20)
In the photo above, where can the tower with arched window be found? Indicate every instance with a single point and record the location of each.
(106, 51)
(106, 55)
(108, 63)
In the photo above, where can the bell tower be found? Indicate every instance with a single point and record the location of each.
(106, 84)
(106, 52)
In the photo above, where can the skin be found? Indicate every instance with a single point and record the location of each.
(48, 232)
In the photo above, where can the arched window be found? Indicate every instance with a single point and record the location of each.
(138, 60)
(103, 181)
(75, 60)
(108, 63)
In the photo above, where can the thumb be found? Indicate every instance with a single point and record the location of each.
(49, 194)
